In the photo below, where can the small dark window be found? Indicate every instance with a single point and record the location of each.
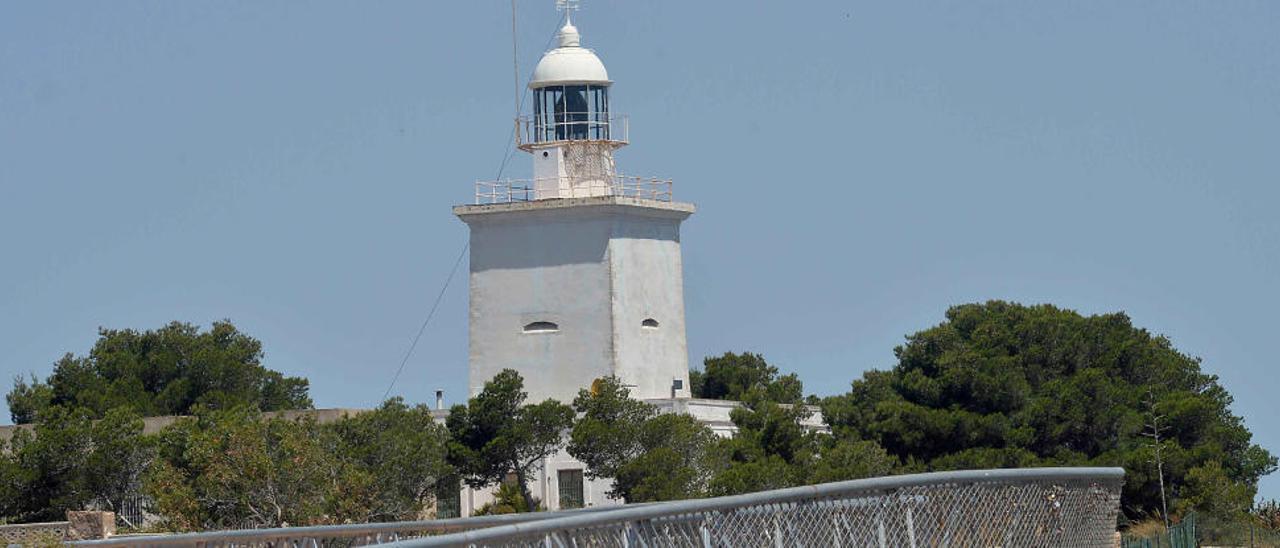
(541, 327)
(570, 489)
(678, 384)
(649, 323)
(449, 498)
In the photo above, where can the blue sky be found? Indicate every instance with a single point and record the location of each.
(858, 168)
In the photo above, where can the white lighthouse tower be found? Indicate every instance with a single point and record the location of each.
(576, 272)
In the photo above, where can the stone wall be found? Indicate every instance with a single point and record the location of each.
(34, 534)
(86, 525)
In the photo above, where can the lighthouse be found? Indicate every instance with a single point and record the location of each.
(576, 270)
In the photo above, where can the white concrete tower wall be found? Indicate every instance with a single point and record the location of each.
(561, 291)
(527, 267)
(650, 351)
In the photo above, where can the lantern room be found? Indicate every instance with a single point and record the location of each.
(570, 95)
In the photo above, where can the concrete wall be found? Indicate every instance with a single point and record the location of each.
(544, 485)
(596, 267)
(647, 278)
(526, 270)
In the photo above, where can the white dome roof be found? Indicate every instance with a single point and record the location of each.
(569, 64)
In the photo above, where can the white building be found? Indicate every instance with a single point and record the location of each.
(576, 272)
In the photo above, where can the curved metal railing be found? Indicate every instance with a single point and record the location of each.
(572, 126)
(356, 534)
(1014, 507)
(528, 190)
(1019, 507)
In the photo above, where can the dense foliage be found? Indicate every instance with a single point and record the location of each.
(730, 376)
(1004, 385)
(774, 448)
(497, 434)
(650, 457)
(70, 462)
(995, 385)
(238, 469)
(232, 469)
(168, 371)
(396, 457)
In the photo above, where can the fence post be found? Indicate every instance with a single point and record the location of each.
(911, 529)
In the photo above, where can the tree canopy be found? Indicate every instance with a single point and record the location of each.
(1001, 384)
(238, 469)
(774, 448)
(497, 434)
(670, 456)
(650, 457)
(730, 376)
(995, 385)
(71, 462)
(167, 371)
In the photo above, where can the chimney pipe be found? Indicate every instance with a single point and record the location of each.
(439, 398)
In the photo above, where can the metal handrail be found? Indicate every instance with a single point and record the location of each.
(572, 126)
(863, 487)
(1096, 488)
(373, 532)
(527, 190)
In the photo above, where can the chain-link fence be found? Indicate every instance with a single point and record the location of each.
(1181, 535)
(1196, 530)
(1022, 507)
(360, 534)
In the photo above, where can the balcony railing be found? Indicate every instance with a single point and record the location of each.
(572, 126)
(528, 190)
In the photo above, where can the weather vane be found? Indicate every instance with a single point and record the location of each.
(566, 6)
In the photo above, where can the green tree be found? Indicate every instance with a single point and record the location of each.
(497, 434)
(26, 400)
(167, 371)
(681, 458)
(1001, 384)
(395, 457)
(508, 499)
(119, 456)
(1209, 490)
(846, 459)
(730, 376)
(772, 449)
(233, 469)
(236, 468)
(71, 462)
(649, 457)
(606, 435)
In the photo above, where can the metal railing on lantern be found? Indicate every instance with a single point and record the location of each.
(572, 126)
(1016, 507)
(527, 190)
